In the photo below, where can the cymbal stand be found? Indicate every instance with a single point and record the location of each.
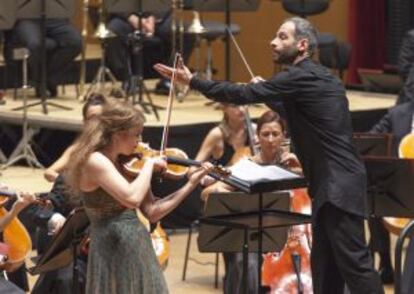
(23, 149)
(103, 34)
(136, 80)
(82, 74)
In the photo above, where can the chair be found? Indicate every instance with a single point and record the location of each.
(213, 31)
(336, 57)
(194, 225)
(304, 8)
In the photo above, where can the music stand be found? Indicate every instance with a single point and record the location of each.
(226, 6)
(64, 247)
(372, 144)
(277, 179)
(34, 9)
(232, 224)
(136, 40)
(390, 182)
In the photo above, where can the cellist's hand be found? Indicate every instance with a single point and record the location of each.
(182, 74)
(23, 200)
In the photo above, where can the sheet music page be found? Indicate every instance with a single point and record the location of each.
(248, 170)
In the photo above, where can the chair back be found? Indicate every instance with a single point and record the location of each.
(304, 8)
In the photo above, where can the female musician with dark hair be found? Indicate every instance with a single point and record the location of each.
(271, 135)
(121, 258)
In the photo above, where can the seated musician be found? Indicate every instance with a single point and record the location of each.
(227, 142)
(157, 45)
(63, 44)
(399, 121)
(270, 132)
(17, 281)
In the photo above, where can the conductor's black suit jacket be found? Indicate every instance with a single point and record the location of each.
(320, 125)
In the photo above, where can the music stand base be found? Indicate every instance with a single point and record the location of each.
(24, 151)
(42, 103)
(99, 81)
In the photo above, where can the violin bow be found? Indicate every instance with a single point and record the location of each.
(171, 94)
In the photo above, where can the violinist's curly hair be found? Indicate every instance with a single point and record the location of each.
(97, 134)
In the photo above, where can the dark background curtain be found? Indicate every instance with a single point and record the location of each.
(376, 30)
(367, 35)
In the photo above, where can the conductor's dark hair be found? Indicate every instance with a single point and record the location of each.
(305, 30)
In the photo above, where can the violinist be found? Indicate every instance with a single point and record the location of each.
(121, 257)
(271, 135)
(399, 121)
(51, 220)
(17, 283)
(320, 127)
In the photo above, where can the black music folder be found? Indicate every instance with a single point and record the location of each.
(60, 252)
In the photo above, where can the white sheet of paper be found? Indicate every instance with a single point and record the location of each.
(248, 170)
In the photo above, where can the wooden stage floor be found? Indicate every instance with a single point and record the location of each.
(192, 111)
(200, 272)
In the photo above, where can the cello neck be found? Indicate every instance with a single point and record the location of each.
(250, 133)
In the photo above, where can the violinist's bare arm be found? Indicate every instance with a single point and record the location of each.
(154, 208)
(99, 171)
(53, 171)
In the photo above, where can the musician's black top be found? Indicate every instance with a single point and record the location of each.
(320, 125)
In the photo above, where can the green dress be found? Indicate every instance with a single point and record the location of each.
(121, 257)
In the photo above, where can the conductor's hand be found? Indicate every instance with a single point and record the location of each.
(182, 74)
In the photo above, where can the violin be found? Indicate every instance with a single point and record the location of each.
(290, 271)
(405, 150)
(178, 162)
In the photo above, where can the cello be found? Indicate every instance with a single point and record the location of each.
(17, 243)
(290, 270)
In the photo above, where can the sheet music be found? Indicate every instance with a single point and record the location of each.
(248, 170)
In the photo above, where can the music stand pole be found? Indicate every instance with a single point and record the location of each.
(43, 56)
(43, 102)
(23, 149)
(137, 75)
(228, 23)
